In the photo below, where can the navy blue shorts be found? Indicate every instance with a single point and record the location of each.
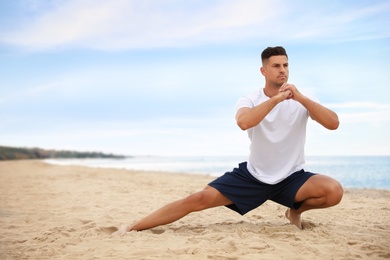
(247, 193)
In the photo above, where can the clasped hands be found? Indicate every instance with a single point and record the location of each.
(289, 91)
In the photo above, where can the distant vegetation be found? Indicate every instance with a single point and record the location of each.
(15, 153)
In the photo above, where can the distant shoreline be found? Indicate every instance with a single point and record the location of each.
(351, 171)
(23, 153)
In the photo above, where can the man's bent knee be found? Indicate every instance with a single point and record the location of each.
(321, 186)
(335, 193)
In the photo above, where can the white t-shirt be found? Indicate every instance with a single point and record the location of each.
(277, 143)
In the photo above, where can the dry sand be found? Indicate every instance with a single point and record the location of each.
(70, 212)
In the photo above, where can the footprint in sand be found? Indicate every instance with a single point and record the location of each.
(108, 230)
(157, 231)
(308, 225)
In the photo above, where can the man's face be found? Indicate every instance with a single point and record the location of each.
(275, 70)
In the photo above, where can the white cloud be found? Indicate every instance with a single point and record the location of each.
(124, 24)
(363, 105)
(364, 117)
(363, 112)
(32, 91)
(363, 130)
(339, 21)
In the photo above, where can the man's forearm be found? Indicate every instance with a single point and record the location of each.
(250, 117)
(321, 114)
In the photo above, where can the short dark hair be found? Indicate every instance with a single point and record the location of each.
(272, 51)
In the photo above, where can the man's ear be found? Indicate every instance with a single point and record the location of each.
(262, 70)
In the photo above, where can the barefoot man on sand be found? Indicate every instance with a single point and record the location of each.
(275, 119)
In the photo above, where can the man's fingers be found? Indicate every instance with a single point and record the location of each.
(284, 87)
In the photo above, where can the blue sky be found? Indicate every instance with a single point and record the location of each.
(161, 77)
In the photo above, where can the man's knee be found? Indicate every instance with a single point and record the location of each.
(198, 201)
(207, 198)
(335, 193)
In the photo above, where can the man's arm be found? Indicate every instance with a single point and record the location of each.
(249, 117)
(317, 112)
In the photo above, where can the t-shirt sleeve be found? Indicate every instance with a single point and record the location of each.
(244, 102)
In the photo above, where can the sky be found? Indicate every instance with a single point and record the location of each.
(161, 77)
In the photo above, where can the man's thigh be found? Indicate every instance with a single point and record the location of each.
(316, 186)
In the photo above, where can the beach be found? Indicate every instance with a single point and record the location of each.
(70, 212)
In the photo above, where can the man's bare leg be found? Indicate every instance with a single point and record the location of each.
(207, 198)
(319, 191)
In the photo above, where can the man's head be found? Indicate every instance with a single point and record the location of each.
(272, 51)
(275, 66)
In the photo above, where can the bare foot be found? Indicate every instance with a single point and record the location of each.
(294, 218)
(122, 230)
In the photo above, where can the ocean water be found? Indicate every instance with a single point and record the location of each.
(371, 172)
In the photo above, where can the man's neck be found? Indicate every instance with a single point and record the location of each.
(271, 91)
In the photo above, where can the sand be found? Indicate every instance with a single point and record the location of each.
(69, 212)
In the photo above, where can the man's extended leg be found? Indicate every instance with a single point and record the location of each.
(207, 198)
(319, 191)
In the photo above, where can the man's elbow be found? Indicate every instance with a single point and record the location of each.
(242, 125)
(334, 124)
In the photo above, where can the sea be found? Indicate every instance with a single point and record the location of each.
(365, 172)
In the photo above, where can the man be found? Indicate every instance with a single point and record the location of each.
(275, 118)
